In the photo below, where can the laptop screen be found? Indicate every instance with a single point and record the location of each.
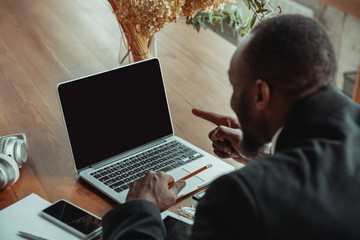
(112, 112)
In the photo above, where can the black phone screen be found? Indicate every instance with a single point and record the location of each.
(73, 217)
(176, 229)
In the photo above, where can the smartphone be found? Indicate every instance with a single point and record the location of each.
(199, 195)
(73, 219)
(177, 227)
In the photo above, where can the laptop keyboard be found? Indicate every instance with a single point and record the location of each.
(120, 175)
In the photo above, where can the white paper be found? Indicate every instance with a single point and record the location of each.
(24, 215)
(166, 213)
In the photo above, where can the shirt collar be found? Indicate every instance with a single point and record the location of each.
(274, 140)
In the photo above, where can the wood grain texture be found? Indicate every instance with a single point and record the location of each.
(43, 43)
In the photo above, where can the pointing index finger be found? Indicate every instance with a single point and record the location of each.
(217, 119)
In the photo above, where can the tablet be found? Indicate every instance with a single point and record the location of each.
(177, 227)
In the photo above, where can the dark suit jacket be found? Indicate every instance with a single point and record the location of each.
(310, 187)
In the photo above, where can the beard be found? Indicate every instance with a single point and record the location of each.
(253, 145)
(250, 147)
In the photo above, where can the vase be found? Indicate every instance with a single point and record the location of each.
(135, 48)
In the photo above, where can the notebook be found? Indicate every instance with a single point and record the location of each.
(119, 126)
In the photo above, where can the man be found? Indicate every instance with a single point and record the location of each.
(308, 187)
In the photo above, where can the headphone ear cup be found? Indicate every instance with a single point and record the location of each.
(9, 171)
(21, 152)
(15, 148)
(4, 176)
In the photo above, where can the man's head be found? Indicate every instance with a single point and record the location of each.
(283, 60)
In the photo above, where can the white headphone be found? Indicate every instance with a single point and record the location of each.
(13, 154)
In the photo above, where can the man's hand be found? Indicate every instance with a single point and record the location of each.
(154, 188)
(227, 137)
(227, 143)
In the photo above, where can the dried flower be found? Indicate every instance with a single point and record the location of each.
(149, 16)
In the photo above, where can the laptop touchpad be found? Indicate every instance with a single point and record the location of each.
(178, 173)
(191, 183)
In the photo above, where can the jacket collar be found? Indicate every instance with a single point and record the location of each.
(313, 117)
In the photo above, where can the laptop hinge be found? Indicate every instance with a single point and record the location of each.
(129, 153)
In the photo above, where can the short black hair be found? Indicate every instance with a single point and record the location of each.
(293, 54)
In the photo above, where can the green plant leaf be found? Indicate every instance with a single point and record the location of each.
(197, 27)
(210, 18)
(226, 19)
(204, 25)
(258, 5)
(231, 15)
(188, 20)
(253, 20)
(221, 24)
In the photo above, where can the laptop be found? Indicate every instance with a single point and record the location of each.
(119, 126)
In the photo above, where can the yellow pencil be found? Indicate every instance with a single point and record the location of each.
(191, 174)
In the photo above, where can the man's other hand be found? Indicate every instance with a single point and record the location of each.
(154, 188)
(226, 137)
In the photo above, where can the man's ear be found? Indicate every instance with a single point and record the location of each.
(262, 94)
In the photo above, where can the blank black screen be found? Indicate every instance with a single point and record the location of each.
(176, 229)
(112, 112)
(74, 217)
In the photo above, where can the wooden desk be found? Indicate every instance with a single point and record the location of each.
(43, 43)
